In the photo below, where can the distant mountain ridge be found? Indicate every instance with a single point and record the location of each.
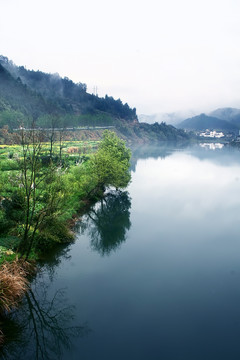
(231, 115)
(229, 119)
(225, 119)
(227, 114)
(168, 118)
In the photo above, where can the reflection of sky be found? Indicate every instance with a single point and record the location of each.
(188, 192)
(172, 291)
(227, 156)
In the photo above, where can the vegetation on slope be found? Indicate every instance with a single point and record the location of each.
(59, 95)
(54, 102)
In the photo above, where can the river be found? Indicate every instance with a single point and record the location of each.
(154, 272)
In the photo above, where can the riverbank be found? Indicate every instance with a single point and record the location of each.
(41, 198)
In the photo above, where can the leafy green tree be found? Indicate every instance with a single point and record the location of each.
(111, 163)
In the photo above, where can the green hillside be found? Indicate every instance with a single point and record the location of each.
(28, 96)
(64, 96)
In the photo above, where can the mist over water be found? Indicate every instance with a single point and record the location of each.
(154, 272)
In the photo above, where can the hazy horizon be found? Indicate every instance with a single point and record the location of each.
(158, 56)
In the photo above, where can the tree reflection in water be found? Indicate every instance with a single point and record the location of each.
(108, 222)
(40, 328)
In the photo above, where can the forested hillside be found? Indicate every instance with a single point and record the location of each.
(28, 96)
(61, 95)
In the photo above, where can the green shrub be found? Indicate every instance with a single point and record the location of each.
(52, 231)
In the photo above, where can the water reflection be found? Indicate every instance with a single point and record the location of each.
(219, 153)
(42, 327)
(180, 267)
(212, 146)
(108, 222)
(54, 258)
(155, 152)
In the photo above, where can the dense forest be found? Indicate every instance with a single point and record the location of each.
(28, 96)
(34, 93)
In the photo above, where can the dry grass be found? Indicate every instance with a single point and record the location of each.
(73, 150)
(13, 284)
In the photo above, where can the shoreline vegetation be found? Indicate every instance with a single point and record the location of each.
(56, 159)
(44, 186)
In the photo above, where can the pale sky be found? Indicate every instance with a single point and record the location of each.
(157, 55)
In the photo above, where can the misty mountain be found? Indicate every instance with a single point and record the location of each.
(17, 97)
(225, 113)
(168, 118)
(27, 95)
(203, 122)
(228, 114)
(64, 95)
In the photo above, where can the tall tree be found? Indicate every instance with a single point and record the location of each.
(40, 189)
(112, 162)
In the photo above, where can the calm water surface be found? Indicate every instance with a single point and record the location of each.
(154, 272)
